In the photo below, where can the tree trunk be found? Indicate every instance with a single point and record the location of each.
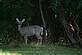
(43, 20)
(66, 27)
(76, 35)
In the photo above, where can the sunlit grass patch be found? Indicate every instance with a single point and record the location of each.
(9, 53)
(39, 50)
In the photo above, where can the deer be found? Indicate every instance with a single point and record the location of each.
(30, 31)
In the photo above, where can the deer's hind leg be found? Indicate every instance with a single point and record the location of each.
(39, 39)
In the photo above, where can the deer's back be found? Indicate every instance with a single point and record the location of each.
(31, 30)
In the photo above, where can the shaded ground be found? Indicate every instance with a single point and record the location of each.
(41, 50)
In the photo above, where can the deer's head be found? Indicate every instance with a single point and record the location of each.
(20, 22)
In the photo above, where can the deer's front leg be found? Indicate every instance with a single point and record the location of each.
(26, 39)
(39, 39)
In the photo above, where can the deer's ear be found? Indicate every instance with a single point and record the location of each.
(23, 20)
(17, 19)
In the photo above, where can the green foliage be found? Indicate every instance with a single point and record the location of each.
(9, 10)
(72, 10)
(29, 20)
(28, 9)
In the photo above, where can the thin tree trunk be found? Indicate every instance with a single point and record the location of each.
(43, 20)
(42, 16)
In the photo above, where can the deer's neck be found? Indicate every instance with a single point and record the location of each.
(19, 27)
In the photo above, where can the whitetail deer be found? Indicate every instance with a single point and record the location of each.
(30, 31)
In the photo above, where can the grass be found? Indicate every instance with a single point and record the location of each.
(41, 50)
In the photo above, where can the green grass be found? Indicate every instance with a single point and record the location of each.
(41, 50)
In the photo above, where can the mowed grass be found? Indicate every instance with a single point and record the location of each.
(41, 50)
